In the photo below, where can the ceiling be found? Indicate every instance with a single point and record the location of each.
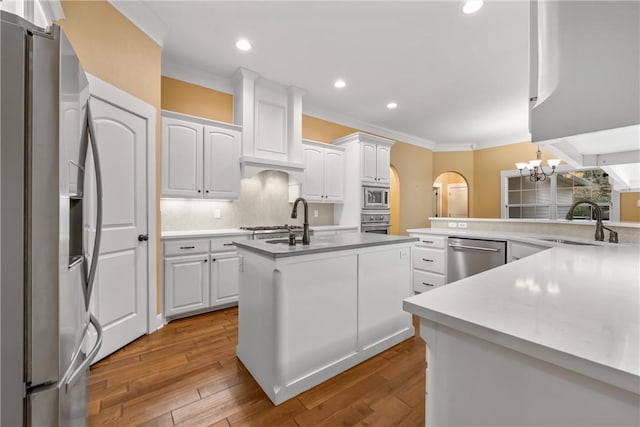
(460, 81)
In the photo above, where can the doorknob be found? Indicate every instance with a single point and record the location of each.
(143, 237)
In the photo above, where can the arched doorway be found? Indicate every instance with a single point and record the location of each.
(451, 196)
(394, 195)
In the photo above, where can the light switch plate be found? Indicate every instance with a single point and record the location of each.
(216, 214)
(453, 225)
(315, 213)
(462, 225)
(404, 253)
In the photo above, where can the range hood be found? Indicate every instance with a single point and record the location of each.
(585, 85)
(271, 118)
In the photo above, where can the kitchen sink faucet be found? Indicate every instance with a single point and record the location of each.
(613, 236)
(306, 239)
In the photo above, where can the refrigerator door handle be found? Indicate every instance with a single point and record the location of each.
(91, 355)
(96, 243)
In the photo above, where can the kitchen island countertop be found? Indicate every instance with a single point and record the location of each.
(574, 307)
(321, 244)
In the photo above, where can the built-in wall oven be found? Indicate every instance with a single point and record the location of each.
(375, 222)
(375, 197)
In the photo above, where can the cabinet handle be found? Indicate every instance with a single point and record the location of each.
(427, 284)
(427, 241)
(187, 247)
(427, 260)
(227, 244)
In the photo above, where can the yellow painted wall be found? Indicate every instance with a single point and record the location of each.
(629, 210)
(323, 131)
(394, 190)
(414, 165)
(487, 166)
(460, 162)
(196, 100)
(113, 49)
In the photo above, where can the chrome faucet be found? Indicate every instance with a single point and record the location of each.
(306, 239)
(599, 227)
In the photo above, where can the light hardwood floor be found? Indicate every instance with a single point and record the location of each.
(186, 374)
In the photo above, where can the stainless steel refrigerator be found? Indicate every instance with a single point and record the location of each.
(47, 242)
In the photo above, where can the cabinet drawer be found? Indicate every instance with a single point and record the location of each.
(428, 259)
(424, 281)
(186, 247)
(225, 244)
(428, 241)
(521, 250)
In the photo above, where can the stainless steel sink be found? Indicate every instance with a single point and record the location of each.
(568, 242)
(283, 241)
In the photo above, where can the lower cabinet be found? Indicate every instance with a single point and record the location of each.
(194, 282)
(186, 280)
(225, 276)
(428, 262)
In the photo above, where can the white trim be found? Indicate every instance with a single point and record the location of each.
(113, 95)
(330, 115)
(144, 18)
(178, 71)
(52, 9)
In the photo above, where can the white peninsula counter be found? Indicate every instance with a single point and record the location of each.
(552, 339)
(309, 312)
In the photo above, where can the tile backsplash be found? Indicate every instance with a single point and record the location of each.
(264, 200)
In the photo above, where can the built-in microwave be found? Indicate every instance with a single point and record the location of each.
(375, 197)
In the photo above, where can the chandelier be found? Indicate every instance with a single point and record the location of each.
(535, 169)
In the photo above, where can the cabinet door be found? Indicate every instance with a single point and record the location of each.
(225, 279)
(383, 156)
(312, 187)
(181, 158)
(334, 176)
(186, 284)
(368, 162)
(221, 163)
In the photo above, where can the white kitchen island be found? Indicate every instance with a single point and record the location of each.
(552, 339)
(309, 312)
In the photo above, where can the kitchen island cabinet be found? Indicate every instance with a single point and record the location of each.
(309, 312)
(552, 339)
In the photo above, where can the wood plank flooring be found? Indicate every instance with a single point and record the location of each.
(187, 374)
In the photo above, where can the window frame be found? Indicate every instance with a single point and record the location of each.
(614, 213)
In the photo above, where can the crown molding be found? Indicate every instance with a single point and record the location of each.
(332, 116)
(143, 18)
(474, 146)
(195, 76)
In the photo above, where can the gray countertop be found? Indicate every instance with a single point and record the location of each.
(321, 244)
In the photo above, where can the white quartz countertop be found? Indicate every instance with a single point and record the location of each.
(573, 306)
(548, 240)
(319, 244)
(191, 234)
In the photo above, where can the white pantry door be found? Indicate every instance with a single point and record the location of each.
(119, 299)
(458, 200)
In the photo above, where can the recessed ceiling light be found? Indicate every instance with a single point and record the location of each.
(472, 6)
(339, 83)
(392, 105)
(243, 44)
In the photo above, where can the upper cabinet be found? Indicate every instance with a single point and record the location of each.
(200, 158)
(584, 85)
(271, 118)
(376, 157)
(323, 179)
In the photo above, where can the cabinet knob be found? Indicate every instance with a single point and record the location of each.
(206, 191)
(205, 260)
(199, 191)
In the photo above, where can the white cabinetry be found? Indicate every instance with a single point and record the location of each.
(323, 179)
(186, 283)
(376, 161)
(200, 274)
(428, 261)
(200, 158)
(520, 250)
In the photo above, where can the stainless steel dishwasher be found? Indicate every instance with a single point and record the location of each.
(466, 257)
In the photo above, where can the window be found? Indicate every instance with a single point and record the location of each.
(551, 199)
(40, 12)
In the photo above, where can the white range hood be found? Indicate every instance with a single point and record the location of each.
(585, 85)
(271, 118)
